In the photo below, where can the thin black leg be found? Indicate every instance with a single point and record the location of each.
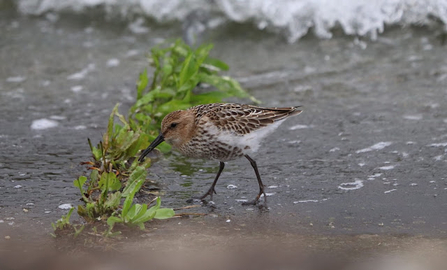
(211, 190)
(258, 177)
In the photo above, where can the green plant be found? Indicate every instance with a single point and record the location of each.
(63, 222)
(116, 175)
(138, 214)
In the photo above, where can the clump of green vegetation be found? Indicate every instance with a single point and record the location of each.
(116, 175)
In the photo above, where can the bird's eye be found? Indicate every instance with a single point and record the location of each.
(173, 125)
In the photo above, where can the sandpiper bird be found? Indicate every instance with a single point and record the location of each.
(222, 132)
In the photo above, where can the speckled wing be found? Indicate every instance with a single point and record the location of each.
(242, 119)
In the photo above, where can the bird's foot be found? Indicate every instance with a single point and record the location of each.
(208, 193)
(202, 198)
(256, 200)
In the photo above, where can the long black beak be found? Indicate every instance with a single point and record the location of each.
(151, 147)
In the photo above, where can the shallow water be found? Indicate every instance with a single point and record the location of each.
(368, 154)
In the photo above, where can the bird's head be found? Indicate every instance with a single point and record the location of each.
(177, 128)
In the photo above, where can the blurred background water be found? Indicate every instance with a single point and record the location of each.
(291, 18)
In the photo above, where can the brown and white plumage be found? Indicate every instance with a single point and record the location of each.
(221, 131)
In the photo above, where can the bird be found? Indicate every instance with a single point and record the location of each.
(222, 132)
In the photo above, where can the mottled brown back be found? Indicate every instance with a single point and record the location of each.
(241, 119)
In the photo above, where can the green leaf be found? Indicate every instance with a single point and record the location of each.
(79, 183)
(164, 213)
(97, 153)
(154, 208)
(147, 215)
(133, 149)
(112, 220)
(128, 216)
(216, 63)
(141, 226)
(126, 206)
(110, 126)
(113, 200)
(121, 137)
(189, 69)
(147, 98)
(142, 83)
(109, 182)
(173, 105)
(82, 211)
(140, 210)
(94, 175)
(136, 180)
(202, 53)
(210, 97)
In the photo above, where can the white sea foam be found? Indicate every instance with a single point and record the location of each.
(77, 88)
(298, 127)
(413, 117)
(292, 18)
(113, 62)
(389, 191)
(80, 127)
(58, 117)
(386, 168)
(305, 201)
(377, 146)
(131, 53)
(82, 74)
(65, 206)
(357, 184)
(43, 124)
(438, 144)
(17, 79)
(374, 176)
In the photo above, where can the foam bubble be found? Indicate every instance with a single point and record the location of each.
(65, 206)
(377, 146)
(357, 184)
(17, 79)
(298, 127)
(386, 168)
(81, 74)
(43, 124)
(113, 62)
(77, 88)
(413, 117)
(305, 201)
(438, 144)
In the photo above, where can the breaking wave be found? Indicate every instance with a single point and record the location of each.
(292, 18)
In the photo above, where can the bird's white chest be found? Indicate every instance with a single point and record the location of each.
(248, 143)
